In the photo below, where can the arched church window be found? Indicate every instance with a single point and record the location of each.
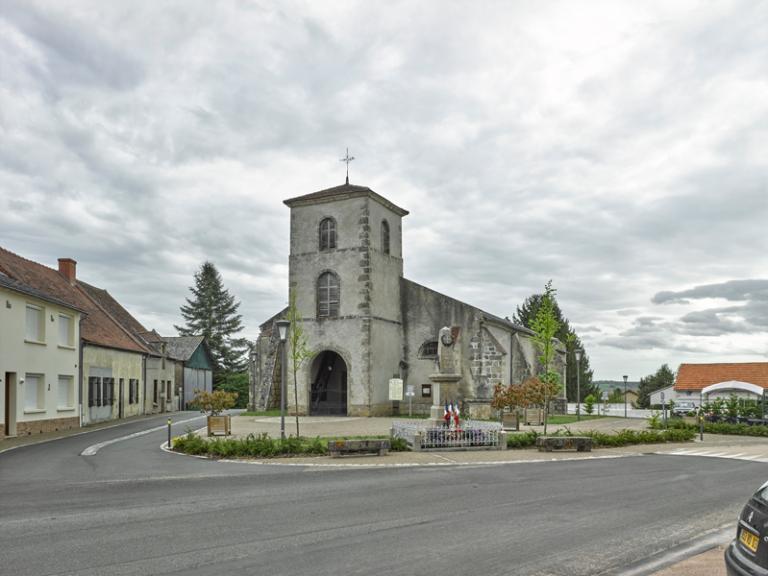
(328, 295)
(428, 349)
(385, 236)
(327, 234)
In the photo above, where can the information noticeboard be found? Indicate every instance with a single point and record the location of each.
(395, 389)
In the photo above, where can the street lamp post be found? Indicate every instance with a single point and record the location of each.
(625, 395)
(578, 352)
(282, 329)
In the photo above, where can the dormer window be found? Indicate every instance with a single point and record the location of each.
(385, 236)
(327, 234)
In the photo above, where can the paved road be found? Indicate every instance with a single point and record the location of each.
(132, 509)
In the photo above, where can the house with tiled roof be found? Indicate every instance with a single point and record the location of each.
(193, 363)
(160, 394)
(115, 375)
(703, 382)
(39, 359)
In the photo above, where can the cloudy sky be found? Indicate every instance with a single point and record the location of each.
(617, 148)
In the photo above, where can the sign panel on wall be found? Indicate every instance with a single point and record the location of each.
(395, 389)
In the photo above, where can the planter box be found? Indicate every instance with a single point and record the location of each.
(691, 420)
(550, 443)
(510, 421)
(534, 416)
(219, 425)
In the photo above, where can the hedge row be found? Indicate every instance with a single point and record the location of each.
(261, 446)
(716, 428)
(621, 438)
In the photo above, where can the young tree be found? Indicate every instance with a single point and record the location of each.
(545, 326)
(525, 315)
(662, 378)
(212, 313)
(297, 349)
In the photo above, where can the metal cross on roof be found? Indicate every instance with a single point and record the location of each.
(347, 159)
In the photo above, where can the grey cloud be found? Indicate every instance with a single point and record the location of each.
(733, 290)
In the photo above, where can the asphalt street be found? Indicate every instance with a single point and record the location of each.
(134, 509)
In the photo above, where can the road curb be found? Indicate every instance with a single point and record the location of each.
(694, 546)
(350, 465)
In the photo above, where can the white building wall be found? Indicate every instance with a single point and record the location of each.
(45, 361)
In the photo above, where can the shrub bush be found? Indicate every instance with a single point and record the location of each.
(602, 440)
(260, 446)
(717, 428)
(521, 440)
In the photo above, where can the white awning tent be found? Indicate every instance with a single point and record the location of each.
(733, 385)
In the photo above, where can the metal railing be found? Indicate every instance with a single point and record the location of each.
(471, 434)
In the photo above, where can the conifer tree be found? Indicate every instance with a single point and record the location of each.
(212, 313)
(526, 315)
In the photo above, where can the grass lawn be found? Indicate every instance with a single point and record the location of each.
(571, 418)
(275, 412)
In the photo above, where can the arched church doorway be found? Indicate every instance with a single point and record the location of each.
(329, 385)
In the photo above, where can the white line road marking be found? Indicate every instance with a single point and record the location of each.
(726, 455)
(94, 448)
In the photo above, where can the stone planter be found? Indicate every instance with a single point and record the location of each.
(219, 425)
(691, 420)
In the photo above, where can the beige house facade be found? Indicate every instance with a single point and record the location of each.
(39, 363)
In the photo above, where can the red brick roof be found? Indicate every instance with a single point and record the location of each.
(98, 326)
(697, 376)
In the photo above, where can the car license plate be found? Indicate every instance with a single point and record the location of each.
(749, 540)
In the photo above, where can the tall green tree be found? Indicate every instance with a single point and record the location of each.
(212, 313)
(662, 378)
(545, 327)
(525, 315)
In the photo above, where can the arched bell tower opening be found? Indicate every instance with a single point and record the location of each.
(329, 385)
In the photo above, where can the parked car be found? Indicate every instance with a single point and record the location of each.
(747, 555)
(683, 407)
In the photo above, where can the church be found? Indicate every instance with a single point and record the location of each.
(366, 324)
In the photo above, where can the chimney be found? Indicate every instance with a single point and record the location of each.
(68, 269)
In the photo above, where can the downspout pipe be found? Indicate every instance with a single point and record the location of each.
(80, 372)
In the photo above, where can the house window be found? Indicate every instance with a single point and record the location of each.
(94, 391)
(328, 295)
(66, 331)
(385, 236)
(34, 392)
(108, 396)
(66, 392)
(426, 390)
(154, 392)
(428, 349)
(35, 324)
(133, 391)
(327, 234)
(169, 392)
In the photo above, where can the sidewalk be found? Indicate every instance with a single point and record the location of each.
(709, 563)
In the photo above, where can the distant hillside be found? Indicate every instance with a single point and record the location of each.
(609, 385)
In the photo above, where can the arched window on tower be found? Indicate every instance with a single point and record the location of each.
(328, 295)
(327, 234)
(385, 236)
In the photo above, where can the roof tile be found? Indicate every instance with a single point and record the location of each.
(698, 376)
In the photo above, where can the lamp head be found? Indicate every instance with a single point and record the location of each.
(625, 378)
(578, 352)
(282, 329)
